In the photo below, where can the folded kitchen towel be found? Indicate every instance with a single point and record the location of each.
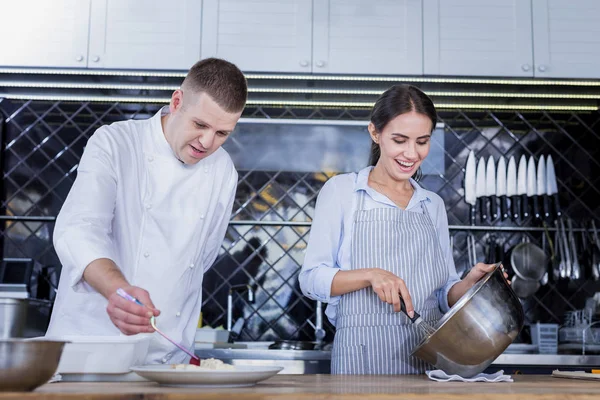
(441, 376)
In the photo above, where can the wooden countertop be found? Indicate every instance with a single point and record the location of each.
(316, 387)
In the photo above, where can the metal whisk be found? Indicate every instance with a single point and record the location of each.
(425, 328)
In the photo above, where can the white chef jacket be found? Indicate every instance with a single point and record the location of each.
(161, 221)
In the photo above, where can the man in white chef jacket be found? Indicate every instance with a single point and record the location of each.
(147, 213)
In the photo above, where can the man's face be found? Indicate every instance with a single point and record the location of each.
(197, 126)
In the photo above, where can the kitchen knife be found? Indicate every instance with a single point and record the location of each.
(501, 188)
(511, 187)
(522, 186)
(532, 186)
(490, 187)
(542, 192)
(470, 196)
(480, 189)
(551, 185)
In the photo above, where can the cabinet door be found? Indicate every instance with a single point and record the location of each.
(259, 35)
(41, 33)
(566, 38)
(368, 37)
(145, 34)
(478, 37)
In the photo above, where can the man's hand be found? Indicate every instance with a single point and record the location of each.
(389, 288)
(129, 317)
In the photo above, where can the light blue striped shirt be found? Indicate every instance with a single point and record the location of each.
(329, 246)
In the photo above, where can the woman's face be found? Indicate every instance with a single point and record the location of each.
(404, 144)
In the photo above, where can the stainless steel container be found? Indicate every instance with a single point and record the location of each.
(27, 364)
(13, 314)
(476, 330)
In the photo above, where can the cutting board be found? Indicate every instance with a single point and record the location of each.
(576, 375)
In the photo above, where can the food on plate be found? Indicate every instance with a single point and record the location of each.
(210, 363)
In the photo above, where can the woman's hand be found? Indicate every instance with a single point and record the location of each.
(389, 288)
(479, 271)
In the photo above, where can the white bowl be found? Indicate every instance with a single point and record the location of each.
(102, 354)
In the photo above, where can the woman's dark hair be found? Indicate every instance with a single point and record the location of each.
(398, 100)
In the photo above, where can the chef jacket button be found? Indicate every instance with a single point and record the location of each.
(148, 206)
(192, 265)
(150, 158)
(205, 169)
(146, 255)
(201, 216)
(178, 314)
(164, 360)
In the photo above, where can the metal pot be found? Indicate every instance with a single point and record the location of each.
(476, 330)
(13, 314)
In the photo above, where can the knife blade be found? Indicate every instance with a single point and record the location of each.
(470, 182)
(501, 187)
(532, 186)
(480, 189)
(542, 192)
(522, 186)
(511, 187)
(490, 187)
(552, 186)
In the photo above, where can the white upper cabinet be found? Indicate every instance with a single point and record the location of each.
(566, 38)
(478, 37)
(145, 34)
(259, 35)
(368, 37)
(44, 33)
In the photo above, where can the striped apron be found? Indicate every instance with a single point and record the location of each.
(370, 337)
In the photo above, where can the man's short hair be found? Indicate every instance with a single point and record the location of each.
(221, 80)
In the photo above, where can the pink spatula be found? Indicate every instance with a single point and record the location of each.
(194, 360)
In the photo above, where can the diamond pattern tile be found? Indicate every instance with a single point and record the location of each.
(43, 141)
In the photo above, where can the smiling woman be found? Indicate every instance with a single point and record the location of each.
(378, 236)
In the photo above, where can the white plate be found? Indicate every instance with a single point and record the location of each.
(241, 376)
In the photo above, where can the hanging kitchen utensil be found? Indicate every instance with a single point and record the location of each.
(575, 266)
(511, 188)
(553, 257)
(532, 187)
(522, 186)
(529, 261)
(524, 288)
(552, 186)
(565, 249)
(501, 188)
(595, 252)
(470, 182)
(490, 187)
(542, 192)
(480, 189)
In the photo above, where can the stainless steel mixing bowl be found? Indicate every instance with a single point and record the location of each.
(476, 330)
(27, 364)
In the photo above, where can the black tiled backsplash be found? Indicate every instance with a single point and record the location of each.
(44, 140)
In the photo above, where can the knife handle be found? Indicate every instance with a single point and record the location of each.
(536, 207)
(524, 206)
(514, 206)
(546, 206)
(493, 207)
(503, 207)
(482, 210)
(472, 210)
(556, 205)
